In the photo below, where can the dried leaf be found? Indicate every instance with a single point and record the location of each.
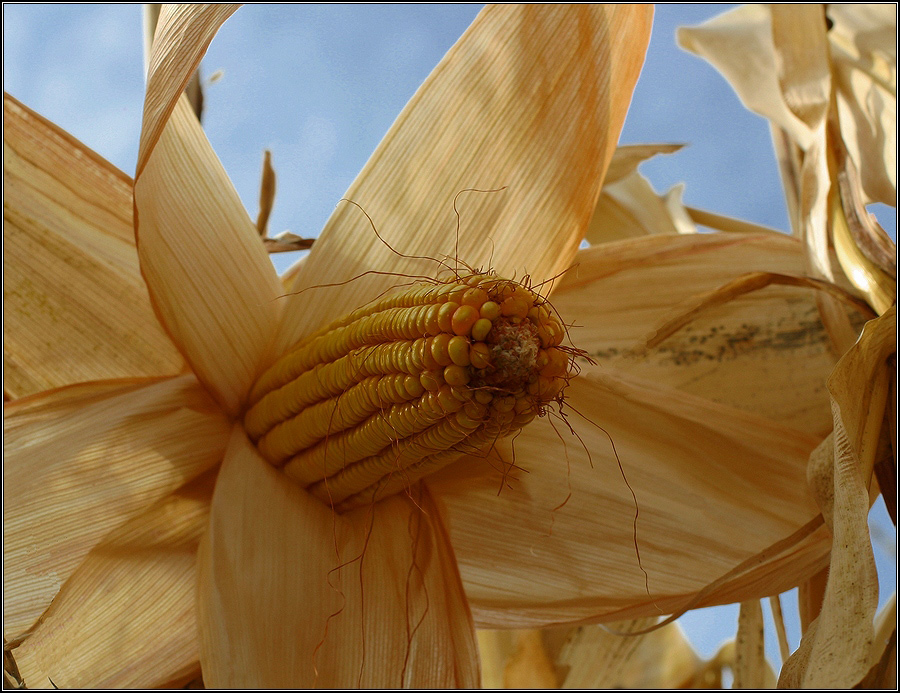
(526, 108)
(76, 307)
(216, 295)
(837, 649)
(629, 208)
(380, 600)
(863, 46)
(627, 158)
(266, 195)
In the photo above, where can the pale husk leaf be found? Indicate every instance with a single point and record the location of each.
(739, 44)
(597, 657)
(878, 287)
(531, 98)
(127, 616)
(789, 80)
(558, 543)
(859, 387)
(885, 624)
(601, 657)
(515, 659)
(765, 352)
(209, 277)
(800, 55)
(863, 46)
(838, 649)
(801, 58)
(183, 33)
(72, 288)
(293, 595)
(628, 157)
(105, 452)
(629, 208)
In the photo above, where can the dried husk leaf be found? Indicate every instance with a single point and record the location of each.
(681, 215)
(811, 591)
(293, 595)
(879, 288)
(787, 79)
(531, 98)
(718, 222)
(837, 650)
(863, 48)
(739, 43)
(140, 585)
(183, 33)
(528, 664)
(527, 542)
(883, 673)
(885, 624)
(859, 387)
(874, 243)
(780, 630)
(210, 279)
(595, 657)
(628, 157)
(72, 289)
(801, 57)
(116, 445)
(629, 208)
(765, 352)
(267, 188)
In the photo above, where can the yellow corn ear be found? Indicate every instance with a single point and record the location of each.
(400, 388)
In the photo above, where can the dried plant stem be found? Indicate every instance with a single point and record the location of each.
(778, 618)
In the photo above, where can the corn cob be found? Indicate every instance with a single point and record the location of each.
(400, 388)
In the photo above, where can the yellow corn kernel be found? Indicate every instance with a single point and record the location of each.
(480, 355)
(463, 319)
(514, 306)
(368, 405)
(431, 380)
(445, 315)
(480, 329)
(456, 375)
(440, 351)
(483, 396)
(431, 321)
(475, 297)
(458, 350)
(490, 310)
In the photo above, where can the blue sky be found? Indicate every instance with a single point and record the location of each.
(320, 85)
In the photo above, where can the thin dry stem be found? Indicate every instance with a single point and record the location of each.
(777, 616)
